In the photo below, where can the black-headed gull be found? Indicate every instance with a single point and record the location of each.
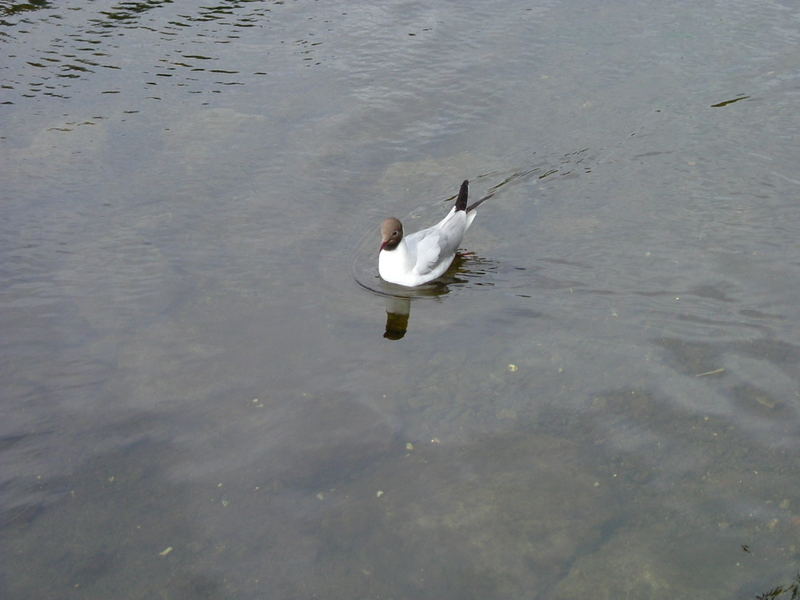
(424, 255)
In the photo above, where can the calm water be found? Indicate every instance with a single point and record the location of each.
(200, 400)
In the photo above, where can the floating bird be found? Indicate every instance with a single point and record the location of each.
(424, 255)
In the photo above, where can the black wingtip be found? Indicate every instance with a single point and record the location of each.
(461, 201)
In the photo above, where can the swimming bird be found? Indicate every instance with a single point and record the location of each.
(424, 255)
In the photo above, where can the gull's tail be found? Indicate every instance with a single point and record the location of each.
(461, 201)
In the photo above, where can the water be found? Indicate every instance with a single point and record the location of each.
(201, 401)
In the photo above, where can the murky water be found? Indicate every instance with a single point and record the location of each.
(200, 400)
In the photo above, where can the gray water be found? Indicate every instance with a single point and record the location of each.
(200, 397)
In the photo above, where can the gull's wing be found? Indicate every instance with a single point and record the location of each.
(438, 243)
(427, 248)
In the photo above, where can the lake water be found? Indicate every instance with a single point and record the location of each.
(207, 392)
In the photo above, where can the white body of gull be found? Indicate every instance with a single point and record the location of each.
(424, 255)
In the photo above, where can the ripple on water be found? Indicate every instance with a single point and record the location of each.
(53, 47)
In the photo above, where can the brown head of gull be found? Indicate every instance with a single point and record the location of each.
(391, 233)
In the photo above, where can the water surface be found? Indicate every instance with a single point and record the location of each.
(201, 401)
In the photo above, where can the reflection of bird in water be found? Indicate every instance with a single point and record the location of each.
(417, 258)
(397, 312)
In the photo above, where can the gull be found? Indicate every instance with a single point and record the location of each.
(424, 255)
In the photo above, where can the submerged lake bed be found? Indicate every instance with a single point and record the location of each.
(209, 393)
